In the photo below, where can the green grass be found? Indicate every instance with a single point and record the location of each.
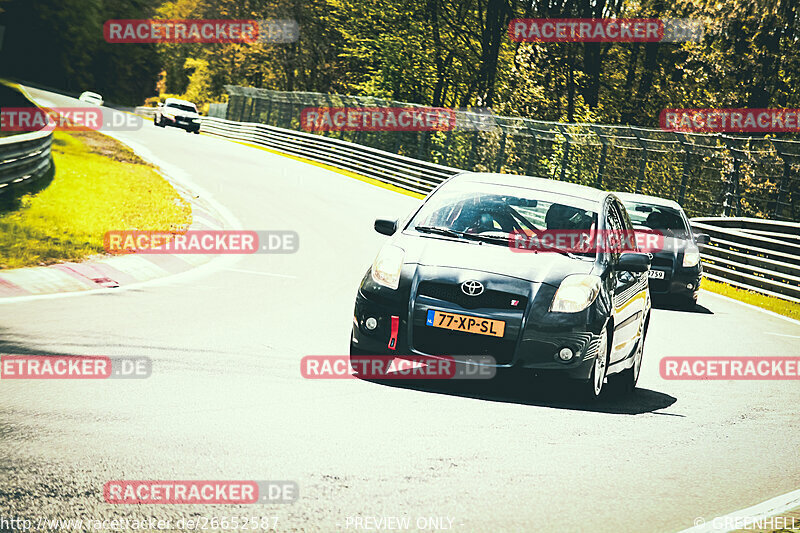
(782, 307)
(99, 185)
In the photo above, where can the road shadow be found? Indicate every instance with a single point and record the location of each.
(523, 388)
(12, 200)
(671, 305)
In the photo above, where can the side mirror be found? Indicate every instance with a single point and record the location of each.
(161, 104)
(385, 226)
(702, 238)
(634, 262)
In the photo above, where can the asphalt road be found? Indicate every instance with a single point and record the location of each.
(226, 399)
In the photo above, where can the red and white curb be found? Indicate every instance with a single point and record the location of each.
(114, 271)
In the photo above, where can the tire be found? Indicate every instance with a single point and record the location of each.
(593, 388)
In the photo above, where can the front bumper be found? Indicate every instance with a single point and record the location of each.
(188, 126)
(680, 282)
(532, 339)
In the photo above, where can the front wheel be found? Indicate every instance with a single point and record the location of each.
(594, 386)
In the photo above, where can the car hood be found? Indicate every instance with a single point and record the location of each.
(542, 267)
(181, 113)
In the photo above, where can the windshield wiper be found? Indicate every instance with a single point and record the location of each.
(494, 239)
(437, 230)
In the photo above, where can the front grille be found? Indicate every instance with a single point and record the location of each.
(664, 261)
(451, 292)
(435, 341)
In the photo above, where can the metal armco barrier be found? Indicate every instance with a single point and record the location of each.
(750, 253)
(404, 172)
(24, 158)
(755, 254)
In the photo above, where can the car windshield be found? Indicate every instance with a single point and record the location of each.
(497, 211)
(183, 107)
(663, 219)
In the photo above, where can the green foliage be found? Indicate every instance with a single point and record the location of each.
(59, 43)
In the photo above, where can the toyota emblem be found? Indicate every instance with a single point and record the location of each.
(472, 287)
(650, 256)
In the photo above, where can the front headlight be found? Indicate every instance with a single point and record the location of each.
(576, 293)
(691, 257)
(387, 266)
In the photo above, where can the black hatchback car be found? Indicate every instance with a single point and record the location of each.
(675, 269)
(449, 282)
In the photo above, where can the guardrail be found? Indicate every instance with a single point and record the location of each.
(754, 254)
(24, 157)
(405, 172)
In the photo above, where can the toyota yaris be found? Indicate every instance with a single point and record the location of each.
(676, 269)
(448, 282)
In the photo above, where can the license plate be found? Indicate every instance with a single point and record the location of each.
(656, 274)
(468, 324)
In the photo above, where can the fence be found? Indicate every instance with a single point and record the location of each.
(709, 175)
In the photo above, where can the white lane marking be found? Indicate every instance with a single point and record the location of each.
(260, 273)
(782, 335)
(747, 517)
(754, 307)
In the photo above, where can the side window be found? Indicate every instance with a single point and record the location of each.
(613, 227)
(630, 243)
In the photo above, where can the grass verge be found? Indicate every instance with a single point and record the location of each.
(99, 185)
(776, 305)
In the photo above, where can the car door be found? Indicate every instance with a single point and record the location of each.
(628, 302)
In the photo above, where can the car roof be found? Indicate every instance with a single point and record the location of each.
(533, 183)
(90, 93)
(177, 101)
(646, 199)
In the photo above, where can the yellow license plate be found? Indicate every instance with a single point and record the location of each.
(468, 324)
